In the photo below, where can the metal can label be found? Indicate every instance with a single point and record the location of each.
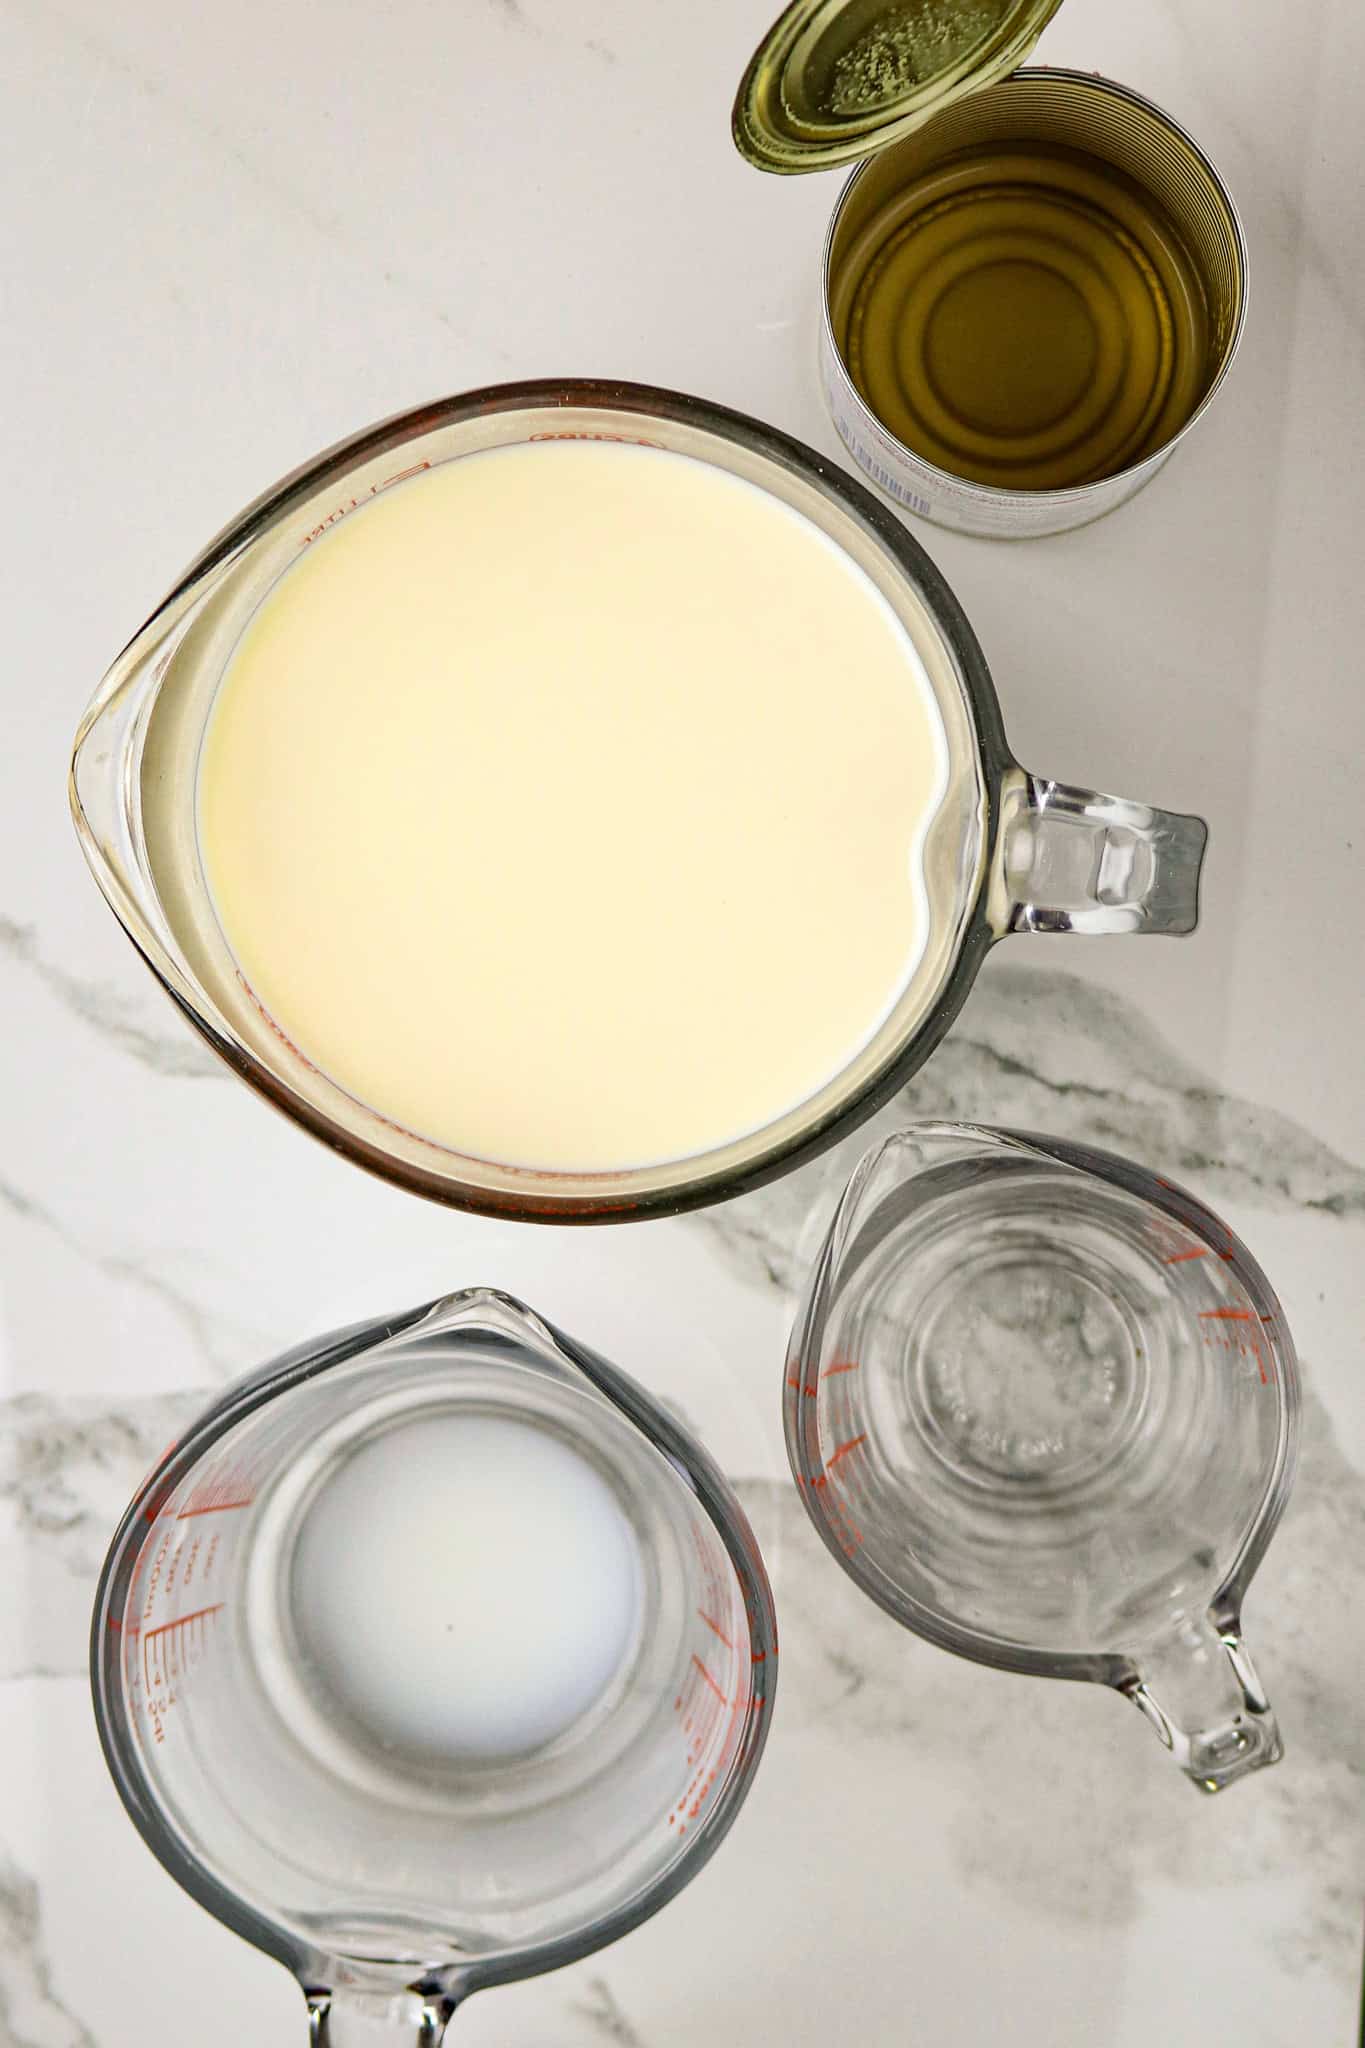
(962, 507)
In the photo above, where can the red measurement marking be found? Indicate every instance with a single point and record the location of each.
(170, 1628)
(633, 440)
(695, 1808)
(842, 1450)
(165, 1628)
(847, 1365)
(794, 1383)
(709, 1679)
(757, 1656)
(1225, 1315)
(691, 1787)
(339, 512)
(229, 1487)
(1201, 1251)
(715, 1628)
(401, 476)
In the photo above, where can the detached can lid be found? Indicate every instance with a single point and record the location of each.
(834, 80)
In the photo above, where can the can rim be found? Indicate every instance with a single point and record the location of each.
(993, 494)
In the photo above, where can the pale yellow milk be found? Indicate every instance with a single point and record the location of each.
(565, 804)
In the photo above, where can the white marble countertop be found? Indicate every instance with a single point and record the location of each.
(233, 234)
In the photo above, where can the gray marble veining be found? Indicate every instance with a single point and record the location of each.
(31, 2014)
(1117, 1814)
(68, 1468)
(1052, 1052)
(212, 1340)
(603, 2014)
(108, 1011)
(285, 234)
(1108, 1814)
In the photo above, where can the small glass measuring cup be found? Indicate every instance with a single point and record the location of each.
(1042, 1406)
(393, 1881)
(1006, 852)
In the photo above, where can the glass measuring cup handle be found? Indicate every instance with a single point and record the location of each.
(1071, 860)
(1201, 1693)
(377, 2019)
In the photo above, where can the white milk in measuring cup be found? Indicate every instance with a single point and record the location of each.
(495, 1546)
(433, 1655)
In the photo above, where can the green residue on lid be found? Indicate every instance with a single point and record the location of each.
(906, 46)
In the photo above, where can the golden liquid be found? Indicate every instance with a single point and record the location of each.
(1025, 315)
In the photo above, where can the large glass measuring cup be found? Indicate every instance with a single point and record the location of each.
(1005, 852)
(319, 1809)
(1042, 1406)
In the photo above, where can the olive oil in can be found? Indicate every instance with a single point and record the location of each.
(1028, 302)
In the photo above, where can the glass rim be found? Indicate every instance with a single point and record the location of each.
(529, 1194)
(981, 1646)
(695, 1469)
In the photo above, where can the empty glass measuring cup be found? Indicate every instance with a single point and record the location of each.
(1043, 1407)
(434, 1655)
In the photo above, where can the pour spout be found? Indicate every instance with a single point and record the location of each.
(378, 2019)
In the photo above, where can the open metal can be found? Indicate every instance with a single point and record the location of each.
(1032, 289)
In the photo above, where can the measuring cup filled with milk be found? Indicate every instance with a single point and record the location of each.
(578, 801)
(433, 1656)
